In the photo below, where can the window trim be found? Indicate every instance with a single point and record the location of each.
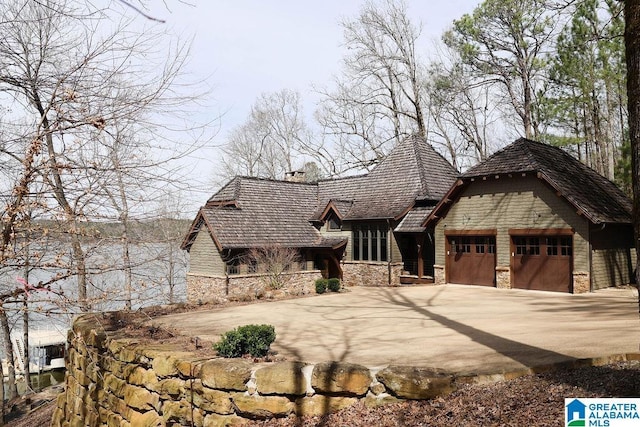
(370, 242)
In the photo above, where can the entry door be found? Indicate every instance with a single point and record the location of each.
(471, 260)
(542, 262)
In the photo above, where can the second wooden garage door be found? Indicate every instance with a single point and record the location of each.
(542, 262)
(471, 260)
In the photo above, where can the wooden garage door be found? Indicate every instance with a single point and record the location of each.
(471, 260)
(542, 262)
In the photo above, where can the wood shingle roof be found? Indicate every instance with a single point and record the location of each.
(593, 196)
(412, 171)
(252, 212)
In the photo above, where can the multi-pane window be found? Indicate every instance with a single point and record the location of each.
(552, 246)
(481, 244)
(527, 245)
(566, 246)
(461, 246)
(370, 242)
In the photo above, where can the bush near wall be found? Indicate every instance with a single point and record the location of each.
(322, 285)
(248, 339)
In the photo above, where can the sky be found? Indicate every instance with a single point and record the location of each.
(244, 48)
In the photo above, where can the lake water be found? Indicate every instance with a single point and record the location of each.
(157, 268)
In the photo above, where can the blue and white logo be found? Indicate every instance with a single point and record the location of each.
(602, 412)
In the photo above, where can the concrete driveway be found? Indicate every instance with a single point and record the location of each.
(454, 327)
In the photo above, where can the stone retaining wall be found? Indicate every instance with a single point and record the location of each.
(119, 382)
(116, 381)
(247, 287)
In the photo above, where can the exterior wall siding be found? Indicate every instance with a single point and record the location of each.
(611, 267)
(517, 202)
(612, 256)
(396, 255)
(204, 257)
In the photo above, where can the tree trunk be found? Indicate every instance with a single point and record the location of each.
(632, 45)
(12, 389)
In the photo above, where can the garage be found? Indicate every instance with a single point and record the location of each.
(542, 262)
(471, 260)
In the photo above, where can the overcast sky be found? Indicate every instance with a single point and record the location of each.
(244, 48)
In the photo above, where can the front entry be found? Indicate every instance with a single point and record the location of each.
(471, 260)
(542, 263)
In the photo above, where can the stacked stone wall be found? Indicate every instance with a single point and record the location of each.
(363, 273)
(120, 382)
(116, 381)
(247, 287)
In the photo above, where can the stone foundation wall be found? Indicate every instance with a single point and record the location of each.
(581, 282)
(116, 381)
(438, 274)
(247, 287)
(363, 273)
(503, 277)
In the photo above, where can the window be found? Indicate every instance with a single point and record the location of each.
(491, 245)
(464, 246)
(566, 246)
(552, 246)
(527, 245)
(233, 269)
(333, 223)
(480, 244)
(370, 242)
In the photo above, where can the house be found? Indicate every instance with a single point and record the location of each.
(365, 229)
(533, 217)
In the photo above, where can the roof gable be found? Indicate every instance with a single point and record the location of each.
(412, 171)
(593, 196)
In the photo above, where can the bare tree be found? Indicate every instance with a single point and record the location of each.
(462, 110)
(272, 140)
(90, 106)
(379, 97)
(273, 263)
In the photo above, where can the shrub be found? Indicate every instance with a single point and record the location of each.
(249, 339)
(321, 286)
(333, 285)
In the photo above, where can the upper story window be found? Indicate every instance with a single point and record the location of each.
(333, 223)
(370, 242)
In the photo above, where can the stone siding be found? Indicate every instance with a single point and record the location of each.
(438, 274)
(581, 282)
(247, 287)
(503, 277)
(363, 273)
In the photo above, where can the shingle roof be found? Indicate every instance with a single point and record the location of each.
(412, 171)
(600, 200)
(264, 212)
(253, 212)
(414, 220)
